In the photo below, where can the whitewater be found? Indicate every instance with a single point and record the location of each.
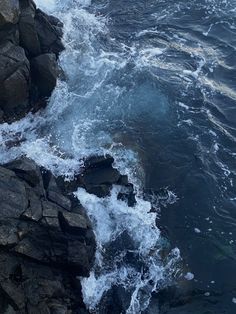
(148, 85)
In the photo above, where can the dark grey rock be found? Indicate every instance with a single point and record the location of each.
(44, 70)
(43, 246)
(49, 35)
(14, 81)
(9, 12)
(26, 33)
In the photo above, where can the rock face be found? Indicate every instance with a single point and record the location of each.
(30, 43)
(46, 241)
(9, 12)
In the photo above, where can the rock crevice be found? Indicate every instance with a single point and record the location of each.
(44, 244)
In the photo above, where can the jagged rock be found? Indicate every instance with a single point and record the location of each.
(74, 223)
(127, 194)
(29, 39)
(43, 246)
(99, 162)
(49, 33)
(13, 198)
(44, 71)
(26, 170)
(9, 12)
(98, 176)
(14, 80)
(26, 33)
(9, 33)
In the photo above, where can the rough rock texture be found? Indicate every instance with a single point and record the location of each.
(46, 241)
(9, 12)
(30, 43)
(44, 72)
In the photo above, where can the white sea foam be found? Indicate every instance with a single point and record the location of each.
(81, 120)
(111, 219)
(48, 5)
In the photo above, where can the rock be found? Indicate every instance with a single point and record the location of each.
(74, 223)
(27, 170)
(9, 12)
(29, 39)
(25, 34)
(99, 175)
(98, 162)
(54, 194)
(9, 33)
(127, 194)
(106, 176)
(13, 197)
(14, 81)
(43, 245)
(44, 71)
(49, 35)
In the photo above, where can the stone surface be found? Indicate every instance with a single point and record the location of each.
(9, 12)
(30, 43)
(44, 71)
(43, 245)
(14, 80)
(98, 177)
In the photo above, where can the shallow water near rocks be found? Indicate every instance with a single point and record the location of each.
(153, 84)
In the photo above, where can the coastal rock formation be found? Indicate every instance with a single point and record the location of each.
(46, 241)
(98, 176)
(30, 43)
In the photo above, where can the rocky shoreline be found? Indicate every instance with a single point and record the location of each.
(46, 241)
(30, 43)
(46, 238)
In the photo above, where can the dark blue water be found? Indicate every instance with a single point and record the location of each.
(154, 84)
(184, 127)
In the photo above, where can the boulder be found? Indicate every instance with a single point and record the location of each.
(44, 70)
(9, 12)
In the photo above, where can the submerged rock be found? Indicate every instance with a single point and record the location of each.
(30, 43)
(98, 176)
(44, 243)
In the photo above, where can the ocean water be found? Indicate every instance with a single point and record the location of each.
(153, 83)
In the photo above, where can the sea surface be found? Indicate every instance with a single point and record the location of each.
(153, 83)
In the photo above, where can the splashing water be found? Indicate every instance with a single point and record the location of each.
(88, 114)
(151, 84)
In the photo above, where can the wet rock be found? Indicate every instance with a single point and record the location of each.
(106, 176)
(9, 33)
(29, 39)
(99, 162)
(14, 80)
(44, 70)
(9, 12)
(73, 223)
(26, 170)
(25, 34)
(127, 194)
(43, 246)
(49, 33)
